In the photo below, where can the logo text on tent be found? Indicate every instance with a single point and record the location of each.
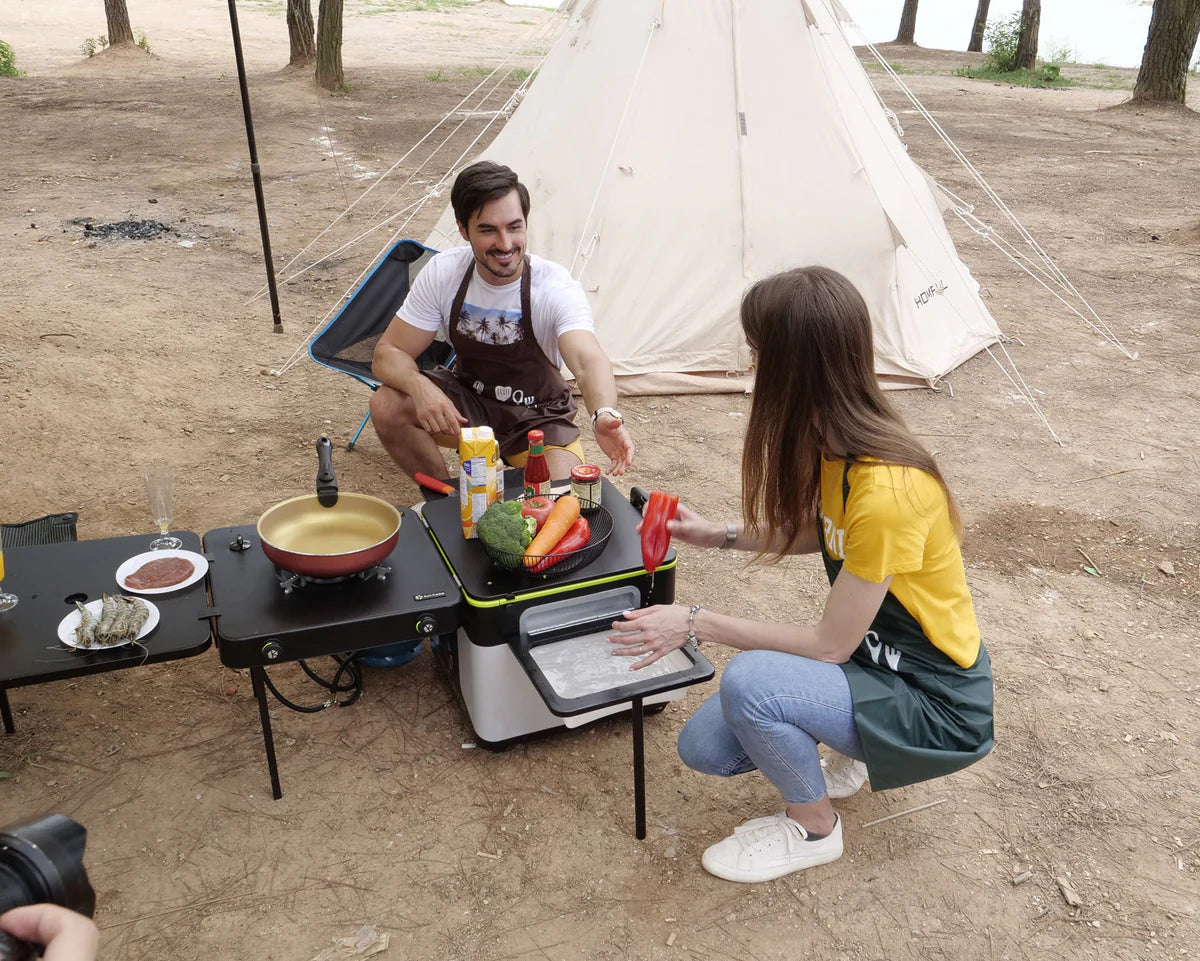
(926, 295)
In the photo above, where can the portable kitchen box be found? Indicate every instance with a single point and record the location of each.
(531, 652)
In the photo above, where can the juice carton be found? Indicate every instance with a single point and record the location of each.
(479, 455)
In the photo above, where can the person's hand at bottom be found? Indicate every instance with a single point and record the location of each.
(64, 935)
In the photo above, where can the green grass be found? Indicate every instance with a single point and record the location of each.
(1046, 75)
(901, 68)
(478, 72)
(8, 61)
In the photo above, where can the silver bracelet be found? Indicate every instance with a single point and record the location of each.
(731, 533)
(691, 633)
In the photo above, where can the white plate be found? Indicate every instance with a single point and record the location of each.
(66, 627)
(134, 563)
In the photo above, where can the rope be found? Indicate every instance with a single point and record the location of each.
(428, 134)
(992, 195)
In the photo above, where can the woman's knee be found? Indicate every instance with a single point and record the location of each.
(744, 681)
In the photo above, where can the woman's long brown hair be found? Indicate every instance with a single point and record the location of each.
(815, 378)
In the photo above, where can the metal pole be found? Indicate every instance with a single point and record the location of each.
(254, 167)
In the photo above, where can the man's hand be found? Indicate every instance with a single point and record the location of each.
(616, 443)
(435, 412)
(65, 935)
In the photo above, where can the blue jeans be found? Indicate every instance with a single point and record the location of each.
(770, 713)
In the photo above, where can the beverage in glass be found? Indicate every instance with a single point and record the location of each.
(7, 601)
(159, 481)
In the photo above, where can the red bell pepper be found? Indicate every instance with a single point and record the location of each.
(576, 538)
(660, 508)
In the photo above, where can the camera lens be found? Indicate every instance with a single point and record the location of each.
(41, 860)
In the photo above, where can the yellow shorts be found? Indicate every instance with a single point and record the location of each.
(575, 447)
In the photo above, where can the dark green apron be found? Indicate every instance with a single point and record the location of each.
(919, 715)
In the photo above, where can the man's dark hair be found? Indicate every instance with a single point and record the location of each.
(480, 183)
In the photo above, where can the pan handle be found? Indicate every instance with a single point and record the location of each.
(327, 488)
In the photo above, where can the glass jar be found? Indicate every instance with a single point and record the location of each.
(585, 484)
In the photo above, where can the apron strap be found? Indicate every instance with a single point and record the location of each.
(459, 299)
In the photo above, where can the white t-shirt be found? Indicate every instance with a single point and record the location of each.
(493, 314)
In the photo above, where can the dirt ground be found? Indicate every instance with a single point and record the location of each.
(1077, 838)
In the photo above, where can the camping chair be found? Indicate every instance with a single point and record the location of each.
(347, 342)
(51, 529)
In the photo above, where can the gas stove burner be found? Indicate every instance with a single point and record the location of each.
(288, 580)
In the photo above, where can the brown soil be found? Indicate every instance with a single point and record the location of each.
(1084, 558)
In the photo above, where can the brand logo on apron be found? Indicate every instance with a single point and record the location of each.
(478, 385)
(503, 394)
(875, 646)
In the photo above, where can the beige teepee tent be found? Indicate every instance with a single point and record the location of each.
(677, 150)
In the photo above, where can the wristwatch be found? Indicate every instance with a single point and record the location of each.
(611, 411)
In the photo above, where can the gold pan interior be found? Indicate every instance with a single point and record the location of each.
(302, 526)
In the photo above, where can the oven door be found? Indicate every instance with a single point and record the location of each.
(563, 646)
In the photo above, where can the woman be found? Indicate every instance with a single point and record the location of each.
(893, 676)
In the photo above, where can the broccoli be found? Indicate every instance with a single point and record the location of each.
(502, 528)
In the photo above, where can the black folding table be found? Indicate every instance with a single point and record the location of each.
(49, 579)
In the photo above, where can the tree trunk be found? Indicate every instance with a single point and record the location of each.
(300, 33)
(119, 30)
(1174, 26)
(1027, 41)
(329, 45)
(981, 15)
(908, 22)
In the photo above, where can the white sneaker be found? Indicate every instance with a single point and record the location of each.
(767, 848)
(843, 775)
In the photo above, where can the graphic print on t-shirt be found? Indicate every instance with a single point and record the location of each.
(491, 326)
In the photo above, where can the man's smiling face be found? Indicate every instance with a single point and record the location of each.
(496, 234)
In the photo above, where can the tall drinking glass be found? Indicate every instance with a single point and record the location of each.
(7, 601)
(159, 481)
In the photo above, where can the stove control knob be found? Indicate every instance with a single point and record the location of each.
(272, 651)
(427, 625)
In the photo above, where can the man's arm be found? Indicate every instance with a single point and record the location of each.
(394, 364)
(593, 372)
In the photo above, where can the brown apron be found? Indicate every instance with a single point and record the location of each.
(517, 382)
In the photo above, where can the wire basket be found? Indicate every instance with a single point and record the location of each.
(599, 520)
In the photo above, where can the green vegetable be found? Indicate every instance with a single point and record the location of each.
(502, 528)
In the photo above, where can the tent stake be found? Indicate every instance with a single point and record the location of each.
(255, 170)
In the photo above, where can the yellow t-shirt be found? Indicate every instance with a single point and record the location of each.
(896, 522)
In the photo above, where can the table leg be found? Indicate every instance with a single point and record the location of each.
(639, 772)
(6, 712)
(257, 677)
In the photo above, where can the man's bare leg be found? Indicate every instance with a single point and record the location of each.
(560, 462)
(409, 444)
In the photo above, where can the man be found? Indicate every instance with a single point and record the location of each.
(513, 320)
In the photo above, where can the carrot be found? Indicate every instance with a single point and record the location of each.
(564, 514)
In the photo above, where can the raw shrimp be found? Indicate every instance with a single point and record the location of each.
(85, 633)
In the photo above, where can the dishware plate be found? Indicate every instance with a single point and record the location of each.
(66, 627)
(199, 563)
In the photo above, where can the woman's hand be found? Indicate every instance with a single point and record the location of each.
(650, 633)
(693, 529)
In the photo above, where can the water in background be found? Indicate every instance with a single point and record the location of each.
(1092, 31)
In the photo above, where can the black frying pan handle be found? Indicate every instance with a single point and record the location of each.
(638, 498)
(327, 488)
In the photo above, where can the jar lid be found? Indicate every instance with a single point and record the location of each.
(586, 472)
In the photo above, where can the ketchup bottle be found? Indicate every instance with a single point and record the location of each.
(537, 471)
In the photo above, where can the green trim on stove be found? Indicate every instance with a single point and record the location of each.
(562, 589)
